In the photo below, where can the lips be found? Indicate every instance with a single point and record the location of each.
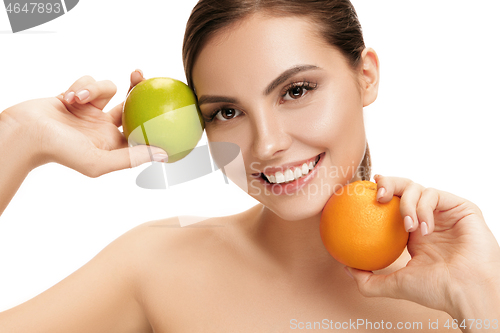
(287, 188)
(282, 168)
(288, 172)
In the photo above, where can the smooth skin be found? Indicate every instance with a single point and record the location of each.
(262, 268)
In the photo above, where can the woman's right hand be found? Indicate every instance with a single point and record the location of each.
(72, 129)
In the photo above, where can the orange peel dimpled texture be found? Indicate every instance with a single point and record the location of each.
(360, 232)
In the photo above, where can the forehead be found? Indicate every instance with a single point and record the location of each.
(258, 49)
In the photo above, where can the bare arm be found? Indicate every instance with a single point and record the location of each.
(103, 295)
(75, 133)
(477, 308)
(15, 159)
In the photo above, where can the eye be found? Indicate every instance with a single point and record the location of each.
(297, 90)
(227, 114)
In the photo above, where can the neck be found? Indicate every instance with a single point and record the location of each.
(293, 246)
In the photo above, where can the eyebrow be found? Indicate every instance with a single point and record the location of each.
(208, 99)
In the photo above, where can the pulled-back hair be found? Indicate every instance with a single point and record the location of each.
(336, 20)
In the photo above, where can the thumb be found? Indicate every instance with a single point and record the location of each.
(129, 157)
(374, 285)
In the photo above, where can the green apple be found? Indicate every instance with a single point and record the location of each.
(163, 112)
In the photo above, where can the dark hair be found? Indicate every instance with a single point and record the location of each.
(337, 23)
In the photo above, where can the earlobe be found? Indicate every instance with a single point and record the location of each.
(370, 74)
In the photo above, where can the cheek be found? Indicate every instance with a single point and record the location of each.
(334, 122)
(238, 136)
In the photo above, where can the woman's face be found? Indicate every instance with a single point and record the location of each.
(285, 98)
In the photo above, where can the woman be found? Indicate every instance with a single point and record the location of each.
(288, 86)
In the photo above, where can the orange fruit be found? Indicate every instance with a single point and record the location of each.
(360, 232)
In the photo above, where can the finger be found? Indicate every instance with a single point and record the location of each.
(408, 206)
(136, 77)
(97, 93)
(373, 285)
(119, 159)
(409, 192)
(435, 200)
(64, 100)
(390, 186)
(69, 95)
(425, 210)
(116, 114)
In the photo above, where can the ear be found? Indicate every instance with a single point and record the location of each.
(370, 73)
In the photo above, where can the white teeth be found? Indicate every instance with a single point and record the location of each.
(297, 173)
(305, 169)
(290, 175)
(280, 178)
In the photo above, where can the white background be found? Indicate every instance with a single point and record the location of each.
(435, 121)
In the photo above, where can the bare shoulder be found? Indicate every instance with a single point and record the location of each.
(168, 238)
(192, 236)
(183, 269)
(164, 247)
(206, 269)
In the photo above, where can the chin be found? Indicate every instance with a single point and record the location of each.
(292, 215)
(305, 209)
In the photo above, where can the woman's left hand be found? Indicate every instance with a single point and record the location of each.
(454, 253)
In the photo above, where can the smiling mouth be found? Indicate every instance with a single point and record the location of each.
(291, 174)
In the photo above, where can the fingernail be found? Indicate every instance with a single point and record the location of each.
(160, 158)
(348, 272)
(69, 96)
(424, 228)
(83, 95)
(139, 71)
(408, 223)
(380, 193)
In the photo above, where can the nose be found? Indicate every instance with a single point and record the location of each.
(270, 135)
